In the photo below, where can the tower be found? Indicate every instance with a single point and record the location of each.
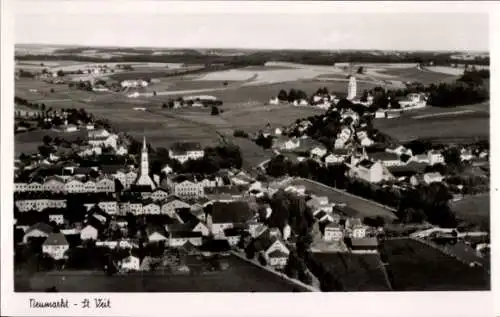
(351, 88)
(144, 179)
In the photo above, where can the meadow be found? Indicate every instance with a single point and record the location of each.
(239, 277)
(473, 209)
(409, 260)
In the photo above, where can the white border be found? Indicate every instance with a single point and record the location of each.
(454, 304)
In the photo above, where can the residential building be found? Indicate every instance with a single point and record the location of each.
(53, 184)
(333, 232)
(223, 216)
(104, 141)
(435, 157)
(74, 186)
(34, 187)
(277, 258)
(56, 216)
(386, 158)
(55, 245)
(38, 230)
(399, 150)
(105, 185)
(89, 232)
(171, 204)
(368, 170)
(433, 178)
(186, 151)
(39, 204)
(364, 245)
(151, 209)
(188, 188)
(356, 228)
(286, 144)
(159, 194)
(318, 152)
(130, 263)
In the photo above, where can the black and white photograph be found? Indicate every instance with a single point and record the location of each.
(163, 151)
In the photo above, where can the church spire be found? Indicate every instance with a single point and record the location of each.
(144, 147)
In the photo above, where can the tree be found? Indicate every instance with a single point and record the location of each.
(52, 90)
(60, 73)
(282, 95)
(214, 111)
(262, 260)
(47, 140)
(361, 70)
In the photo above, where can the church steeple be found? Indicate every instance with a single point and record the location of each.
(144, 147)
(144, 178)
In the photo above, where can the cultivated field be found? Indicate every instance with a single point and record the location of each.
(239, 277)
(409, 261)
(365, 208)
(439, 124)
(413, 74)
(355, 272)
(474, 209)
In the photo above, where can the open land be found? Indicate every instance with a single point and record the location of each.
(439, 124)
(409, 261)
(364, 207)
(355, 272)
(474, 209)
(234, 279)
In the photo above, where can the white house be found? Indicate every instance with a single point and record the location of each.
(369, 171)
(167, 170)
(57, 218)
(55, 245)
(53, 184)
(38, 230)
(186, 151)
(334, 158)
(333, 232)
(435, 157)
(130, 263)
(187, 188)
(89, 233)
(318, 152)
(171, 204)
(433, 178)
(399, 150)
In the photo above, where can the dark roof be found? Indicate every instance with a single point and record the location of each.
(54, 211)
(82, 170)
(368, 242)
(320, 214)
(231, 232)
(42, 226)
(232, 190)
(183, 147)
(180, 227)
(56, 239)
(410, 168)
(218, 245)
(152, 229)
(366, 163)
(111, 169)
(264, 241)
(278, 254)
(383, 156)
(231, 212)
(186, 215)
(141, 188)
(185, 234)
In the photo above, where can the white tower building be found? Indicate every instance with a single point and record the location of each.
(144, 179)
(351, 88)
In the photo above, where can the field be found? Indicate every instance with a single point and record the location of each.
(474, 209)
(439, 124)
(409, 261)
(365, 208)
(239, 277)
(355, 272)
(413, 74)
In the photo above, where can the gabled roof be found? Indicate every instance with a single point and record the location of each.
(320, 214)
(186, 215)
(232, 232)
(231, 212)
(185, 234)
(366, 163)
(56, 239)
(41, 226)
(383, 156)
(278, 254)
(216, 245)
(180, 148)
(365, 242)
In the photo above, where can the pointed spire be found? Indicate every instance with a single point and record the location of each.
(144, 147)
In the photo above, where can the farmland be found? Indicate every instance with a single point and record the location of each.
(413, 74)
(409, 260)
(474, 209)
(365, 208)
(439, 124)
(239, 277)
(355, 272)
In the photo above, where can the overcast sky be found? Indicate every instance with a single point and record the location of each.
(40, 22)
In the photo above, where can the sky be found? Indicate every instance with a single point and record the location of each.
(89, 25)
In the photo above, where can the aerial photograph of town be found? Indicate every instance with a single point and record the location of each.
(326, 158)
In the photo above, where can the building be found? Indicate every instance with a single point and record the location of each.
(318, 152)
(144, 179)
(435, 157)
(159, 194)
(333, 232)
(171, 204)
(356, 228)
(53, 184)
(221, 216)
(369, 171)
(430, 178)
(89, 232)
(364, 245)
(55, 245)
(287, 144)
(399, 150)
(38, 230)
(105, 185)
(130, 263)
(386, 158)
(97, 140)
(277, 258)
(351, 88)
(186, 151)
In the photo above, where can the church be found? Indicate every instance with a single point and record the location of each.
(144, 179)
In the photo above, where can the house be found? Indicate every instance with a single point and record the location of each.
(421, 158)
(268, 242)
(156, 235)
(364, 245)
(333, 232)
(130, 263)
(435, 157)
(298, 189)
(233, 235)
(433, 177)
(179, 238)
(287, 144)
(318, 152)
(53, 184)
(356, 228)
(336, 157)
(221, 216)
(38, 230)
(171, 204)
(159, 194)
(368, 170)
(105, 185)
(379, 114)
(89, 232)
(188, 188)
(34, 187)
(55, 245)
(74, 186)
(55, 215)
(91, 151)
(277, 258)
(167, 170)
(387, 159)
(399, 150)
(186, 151)
(70, 128)
(202, 228)
(105, 141)
(121, 151)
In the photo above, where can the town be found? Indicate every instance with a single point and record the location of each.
(95, 199)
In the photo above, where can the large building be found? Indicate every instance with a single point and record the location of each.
(186, 151)
(351, 88)
(144, 179)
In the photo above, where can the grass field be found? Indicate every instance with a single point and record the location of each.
(413, 74)
(239, 277)
(355, 272)
(365, 208)
(439, 124)
(414, 266)
(474, 209)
